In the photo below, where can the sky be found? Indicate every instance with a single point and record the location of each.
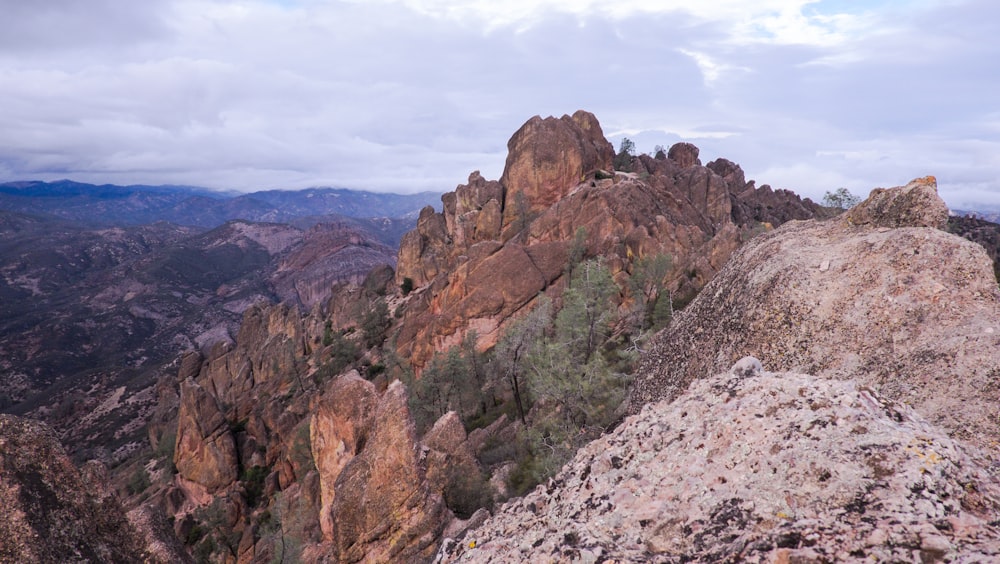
(412, 95)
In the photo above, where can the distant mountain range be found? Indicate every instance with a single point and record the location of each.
(109, 204)
(991, 215)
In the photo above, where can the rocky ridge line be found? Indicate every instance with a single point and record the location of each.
(911, 311)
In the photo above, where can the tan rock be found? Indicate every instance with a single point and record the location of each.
(452, 469)
(753, 466)
(915, 205)
(205, 452)
(338, 430)
(384, 510)
(912, 312)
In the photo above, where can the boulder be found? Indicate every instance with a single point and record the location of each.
(915, 205)
(753, 466)
(684, 154)
(452, 469)
(913, 312)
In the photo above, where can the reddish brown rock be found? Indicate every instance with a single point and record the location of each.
(338, 430)
(697, 214)
(205, 452)
(547, 157)
(384, 509)
(684, 154)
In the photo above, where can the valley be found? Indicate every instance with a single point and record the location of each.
(615, 344)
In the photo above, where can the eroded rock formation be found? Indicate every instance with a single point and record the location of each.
(496, 245)
(54, 512)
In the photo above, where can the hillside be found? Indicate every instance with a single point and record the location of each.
(90, 318)
(278, 422)
(885, 453)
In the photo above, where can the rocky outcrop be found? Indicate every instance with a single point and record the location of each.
(912, 312)
(547, 157)
(338, 431)
(205, 452)
(472, 272)
(383, 509)
(752, 466)
(53, 512)
(915, 205)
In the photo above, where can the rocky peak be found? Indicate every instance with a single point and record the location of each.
(684, 154)
(547, 157)
(754, 466)
(472, 271)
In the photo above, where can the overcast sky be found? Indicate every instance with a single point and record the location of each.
(408, 95)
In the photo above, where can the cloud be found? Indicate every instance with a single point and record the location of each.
(412, 95)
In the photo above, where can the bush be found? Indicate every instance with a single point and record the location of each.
(253, 484)
(407, 286)
(465, 493)
(139, 481)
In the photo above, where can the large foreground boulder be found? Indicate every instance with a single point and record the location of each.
(912, 312)
(750, 466)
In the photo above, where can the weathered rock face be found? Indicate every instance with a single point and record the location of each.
(912, 312)
(328, 254)
(338, 431)
(547, 157)
(757, 467)
(472, 275)
(53, 512)
(205, 452)
(383, 509)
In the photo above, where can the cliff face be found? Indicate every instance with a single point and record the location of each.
(910, 310)
(496, 245)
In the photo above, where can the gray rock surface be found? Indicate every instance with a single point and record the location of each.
(912, 312)
(769, 468)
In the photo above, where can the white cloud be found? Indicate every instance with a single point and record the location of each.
(411, 95)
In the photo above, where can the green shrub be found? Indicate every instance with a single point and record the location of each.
(139, 481)
(253, 484)
(465, 492)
